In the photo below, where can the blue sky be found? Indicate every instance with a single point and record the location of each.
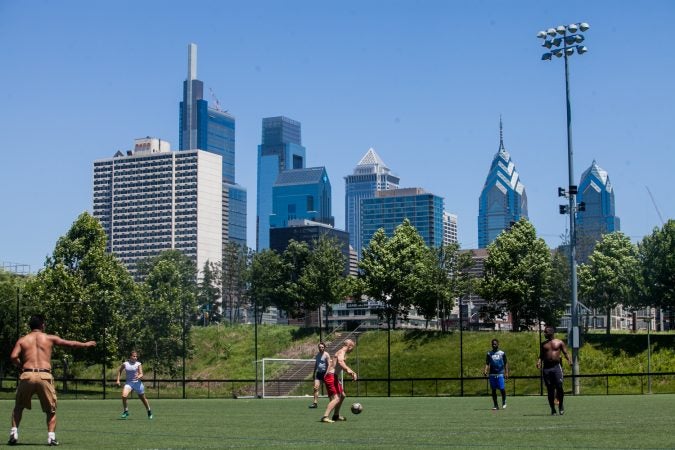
(422, 82)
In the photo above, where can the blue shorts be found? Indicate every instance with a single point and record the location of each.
(497, 381)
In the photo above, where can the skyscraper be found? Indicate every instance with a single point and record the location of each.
(152, 199)
(370, 175)
(449, 228)
(281, 149)
(503, 199)
(301, 194)
(597, 193)
(213, 130)
(388, 209)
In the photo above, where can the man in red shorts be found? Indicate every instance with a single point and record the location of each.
(334, 387)
(32, 354)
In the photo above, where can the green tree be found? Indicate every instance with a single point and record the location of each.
(610, 276)
(289, 297)
(209, 293)
(396, 271)
(235, 266)
(656, 254)
(11, 304)
(170, 301)
(517, 275)
(266, 274)
(86, 293)
(560, 288)
(323, 279)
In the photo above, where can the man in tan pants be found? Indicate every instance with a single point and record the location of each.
(32, 354)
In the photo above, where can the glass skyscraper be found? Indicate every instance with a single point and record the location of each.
(211, 129)
(301, 194)
(503, 199)
(388, 209)
(370, 175)
(281, 149)
(597, 193)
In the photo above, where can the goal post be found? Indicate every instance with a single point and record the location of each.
(287, 378)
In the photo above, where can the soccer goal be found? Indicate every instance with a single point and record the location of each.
(286, 378)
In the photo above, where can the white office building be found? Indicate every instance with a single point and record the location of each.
(152, 199)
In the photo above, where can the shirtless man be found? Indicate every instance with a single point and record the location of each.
(549, 357)
(334, 387)
(32, 354)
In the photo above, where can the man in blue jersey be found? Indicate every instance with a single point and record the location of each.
(134, 374)
(497, 368)
(321, 362)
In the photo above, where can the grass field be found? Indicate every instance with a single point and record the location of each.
(590, 422)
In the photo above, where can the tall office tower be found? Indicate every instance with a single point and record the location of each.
(449, 228)
(503, 199)
(213, 130)
(281, 149)
(388, 209)
(153, 199)
(597, 193)
(370, 175)
(301, 194)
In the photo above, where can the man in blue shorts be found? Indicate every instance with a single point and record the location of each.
(134, 374)
(497, 368)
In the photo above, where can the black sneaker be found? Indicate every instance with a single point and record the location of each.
(562, 411)
(553, 413)
(313, 406)
(12, 440)
(52, 442)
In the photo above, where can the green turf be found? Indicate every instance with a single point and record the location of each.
(590, 422)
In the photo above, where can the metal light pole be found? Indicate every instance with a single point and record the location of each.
(565, 39)
(649, 354)
(461, 349)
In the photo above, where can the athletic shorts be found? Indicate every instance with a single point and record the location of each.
(553, 376)
(497, 381)
(136, 386)
(40, 383)
(333, 385)
(319, 376)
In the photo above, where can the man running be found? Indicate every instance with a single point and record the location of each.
(549, 357)
(32, 354)
(497, 367)
(336, 392)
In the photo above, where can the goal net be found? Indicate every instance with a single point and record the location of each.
(282, 378)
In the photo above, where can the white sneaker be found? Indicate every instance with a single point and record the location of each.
(504, 406)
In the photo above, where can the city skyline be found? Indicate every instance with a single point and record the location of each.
(423, 84)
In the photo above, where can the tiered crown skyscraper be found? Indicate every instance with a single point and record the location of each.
(370, 175)
(597, 193)
(281, 149)
(503, 199)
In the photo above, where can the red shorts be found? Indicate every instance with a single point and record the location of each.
(333, 385)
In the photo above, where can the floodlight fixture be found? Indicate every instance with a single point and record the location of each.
(541, 35)
(569, 51)
(572, 28)
(546, 57)
(547, 44)
(557, 52)
(579, 38)
(557, 41)
(551, 32)
(581, 49)
(569, 40)
(583, 26)
(560, 30)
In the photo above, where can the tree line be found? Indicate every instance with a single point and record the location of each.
(87, 293)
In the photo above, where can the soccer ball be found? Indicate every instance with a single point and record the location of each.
(357, 408)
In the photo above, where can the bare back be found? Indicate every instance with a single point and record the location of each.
(34, 350)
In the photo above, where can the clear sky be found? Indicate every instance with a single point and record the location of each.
(422, 82)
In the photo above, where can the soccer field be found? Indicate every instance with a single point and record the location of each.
(593, 422)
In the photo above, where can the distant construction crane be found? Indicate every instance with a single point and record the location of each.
(215, 100)
(654, 203)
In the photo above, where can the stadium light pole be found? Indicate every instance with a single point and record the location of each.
(563, 41)
(648, 319)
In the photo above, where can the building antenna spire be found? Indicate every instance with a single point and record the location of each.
(501, 134)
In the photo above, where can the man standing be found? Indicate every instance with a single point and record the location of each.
(322, 360)
(134, 375)
(549, 357)
(32, 355)
(336, 392)
(497, 367)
